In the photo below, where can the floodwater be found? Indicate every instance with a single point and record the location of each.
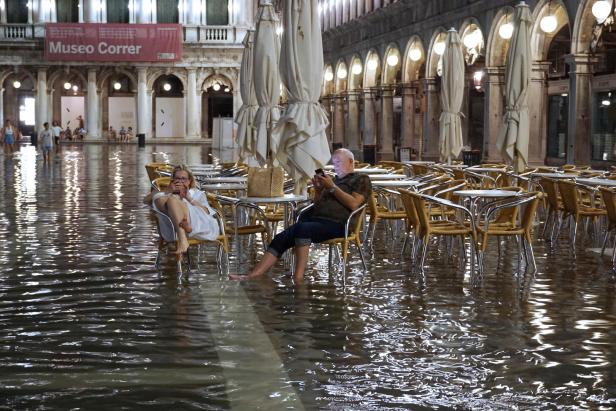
(86, 322)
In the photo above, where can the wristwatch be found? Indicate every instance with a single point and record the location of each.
(332, 190)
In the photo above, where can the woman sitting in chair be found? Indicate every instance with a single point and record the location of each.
(187, 207)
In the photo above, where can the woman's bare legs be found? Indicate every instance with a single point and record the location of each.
(175, 208)
(262, 266)
(301, 260)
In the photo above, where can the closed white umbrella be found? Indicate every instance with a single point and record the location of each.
(246, 132)
(266, 81)
(452, 94)
(301, 130)
(513, 137)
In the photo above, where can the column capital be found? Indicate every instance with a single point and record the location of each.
(581, 63)
(495, 71)
(409, 89)
(353, 94)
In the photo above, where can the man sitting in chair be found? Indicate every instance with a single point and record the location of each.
(334, 201)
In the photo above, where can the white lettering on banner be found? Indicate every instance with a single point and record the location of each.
(57, 47)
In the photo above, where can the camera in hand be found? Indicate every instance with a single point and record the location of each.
(319, 172)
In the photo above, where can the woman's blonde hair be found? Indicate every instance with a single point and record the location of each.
(191, 177)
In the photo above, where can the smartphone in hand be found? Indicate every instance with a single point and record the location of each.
(319, 172)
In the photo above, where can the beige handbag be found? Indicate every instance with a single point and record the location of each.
(265, 182)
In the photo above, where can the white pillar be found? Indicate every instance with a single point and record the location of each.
(43, 11)
(143, 10)
(41, 99)
(92, 125)
(91, 11)
(50, 107)
(143, 113)
(192, 106)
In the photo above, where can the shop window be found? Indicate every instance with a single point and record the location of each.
(17, 11)
(604, 126)
(167, 11)
(217, 12)
(67, 11)
(117, 11)
(558, 116)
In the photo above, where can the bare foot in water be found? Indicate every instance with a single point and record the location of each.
(182, 245)
(186, 226)
(240, 277)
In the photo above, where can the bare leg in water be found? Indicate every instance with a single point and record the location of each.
(175, 208)
(268, 261)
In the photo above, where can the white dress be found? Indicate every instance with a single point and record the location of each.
(204, 226)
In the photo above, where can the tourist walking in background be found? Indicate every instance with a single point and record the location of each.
(56, 131)
(9, 135)
(46, 137)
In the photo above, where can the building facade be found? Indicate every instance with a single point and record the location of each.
(162, 100)
(382, 76)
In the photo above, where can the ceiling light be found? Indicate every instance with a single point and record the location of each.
(329, 76)
(75, 88)
(356, 69)
(601, 10)
(117, 85)
(166, 86)
(227, 89)
(17, 84)
(548, 23)
(67, 86)
(392, 60)
(216, 86)
(342, 73)
(373, 64)
(506, 31)
(606, 103)
(415, 54)
(472, 39)
(439, 48)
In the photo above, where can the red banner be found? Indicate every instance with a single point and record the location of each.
(113, 42)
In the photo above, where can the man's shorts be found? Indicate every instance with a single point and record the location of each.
(8, 140)
(46, 148)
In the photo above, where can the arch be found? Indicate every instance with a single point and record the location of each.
(107, 73)
(433, 57)
(154, 75)
(341, 76)
(411, 67)
(471, 27)
(540, 41)
(356, 74)
(328, 80)
(390, 72)
(20, 73)
(581, 34)
(372, 69)
(66, 73)
(498, 47)
(219, 78)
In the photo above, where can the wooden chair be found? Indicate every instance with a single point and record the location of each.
(378, 209)
(574, 209)
(609, 200)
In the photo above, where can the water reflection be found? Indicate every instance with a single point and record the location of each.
(86, 318)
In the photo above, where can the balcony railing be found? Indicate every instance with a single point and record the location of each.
(16, 32)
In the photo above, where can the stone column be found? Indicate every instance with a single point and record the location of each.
(192, 106)
(41, 99)
(386, 143)
(338, 12)
(369, 118)
(91, 11)
(345, 12)
(352, 126)
(144, 122)
(2, 107)
(339, 136)
(580, 103)
(377, 4)
(537, 113)
(43, 11)
(50, 113)
(360, 8)
(143, 11)
(369, 6)
(92, 107)
(409, 94)
(353, 10)
(494, 86)
(431, 120)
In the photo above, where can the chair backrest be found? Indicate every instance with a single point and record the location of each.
(609, 199)
(528, 216)
(151, 169)
(508, 215)
(550, 190)
(412, 219)
(161, 183)
(419, 169)
(423, 219)
(357, 222)
(569, 194)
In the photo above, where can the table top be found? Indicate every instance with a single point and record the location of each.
(418, 162)
(203, 166)
(223, 186)
(371, 170)
(486, 193)
(452, 165)
(485, 169)
(553, 175)
(386, 176)
(212, 180)
(597, 182)
(287, 198)
(395, 183)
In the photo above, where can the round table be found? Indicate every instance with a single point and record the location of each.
(223, 187)
(214, 180)
(596, 182)
(395, 183)
(374, 177)
(372, 170)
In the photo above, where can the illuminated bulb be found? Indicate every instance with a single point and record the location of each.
(506, 31)
(16, 84)
(356, 68)
(392, 60)
(279, 30)
(227, 89)
(117, 85)
(472, 39)
(342, 73)
(601, 10)
(75, 88)
(329, 76)
(606, 103)
(166, 86)
(439, 48)
(373, 64)
(67, 86)
(216, 86)
(548, 24)
(415, 54)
